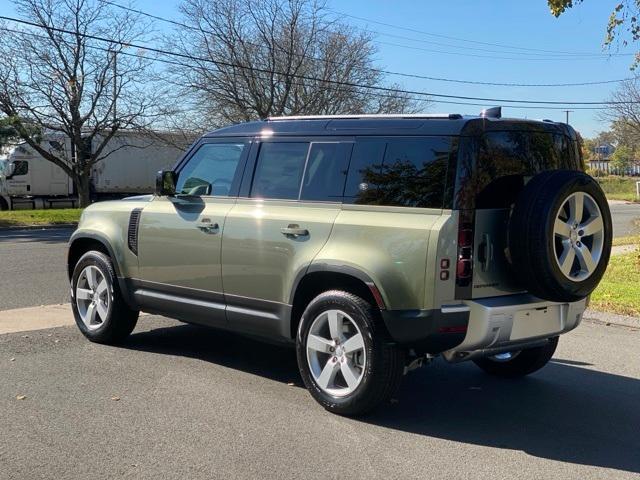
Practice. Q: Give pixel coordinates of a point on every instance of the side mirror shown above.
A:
(11, 169)
(166, 183)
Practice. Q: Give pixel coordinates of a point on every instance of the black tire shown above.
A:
(523, 363)
(531, 237)
(120, 319)
(383, 369)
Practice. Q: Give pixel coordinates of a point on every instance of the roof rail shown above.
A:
(449, 116)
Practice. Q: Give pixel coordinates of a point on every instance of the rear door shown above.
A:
(293, 194)
(500, 163)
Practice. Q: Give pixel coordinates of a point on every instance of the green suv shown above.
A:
(372, 243)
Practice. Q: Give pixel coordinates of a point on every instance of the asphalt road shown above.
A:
(623, 216)
(33, 267)
(33, 262)
(196, 403)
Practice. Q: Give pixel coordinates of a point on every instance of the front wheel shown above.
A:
(518, 363)
(345, 356)
(100, 312)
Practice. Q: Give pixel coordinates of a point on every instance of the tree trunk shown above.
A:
(83, 183)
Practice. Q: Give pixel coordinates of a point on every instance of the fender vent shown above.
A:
(132, 234)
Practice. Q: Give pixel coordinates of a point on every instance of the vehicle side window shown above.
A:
(506, 159)
(279, 170)
(407, 172)
(21, 167)
(325, 173)
(211, 170)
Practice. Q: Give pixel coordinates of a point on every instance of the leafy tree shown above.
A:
(588, 147)
(9, 134)
(622, 159)
(623, 23)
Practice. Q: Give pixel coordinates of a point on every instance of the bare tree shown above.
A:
(624, 111)
(251, 60)
(57, 79)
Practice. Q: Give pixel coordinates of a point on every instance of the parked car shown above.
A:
(372, 243)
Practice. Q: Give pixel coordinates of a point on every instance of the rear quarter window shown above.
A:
(406, 172)
(493, 169)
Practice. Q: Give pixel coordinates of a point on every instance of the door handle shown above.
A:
(294, 230)
(207, 227)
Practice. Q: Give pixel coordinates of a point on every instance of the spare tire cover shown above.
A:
(560, 235)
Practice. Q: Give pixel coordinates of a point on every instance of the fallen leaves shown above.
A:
(115, 399)
(21, 397)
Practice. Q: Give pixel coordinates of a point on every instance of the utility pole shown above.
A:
(567, 112)
(115, 86)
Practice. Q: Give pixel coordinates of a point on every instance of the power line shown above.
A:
(492, 57)
(304, 77)
(479, 49)
(387, 72)
(183, 25)
(459, 39)
(381, 95)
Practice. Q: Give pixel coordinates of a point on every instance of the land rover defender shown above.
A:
(372, 243)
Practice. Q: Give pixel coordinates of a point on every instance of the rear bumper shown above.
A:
(484, 326)
(427, 331)
(514, 321)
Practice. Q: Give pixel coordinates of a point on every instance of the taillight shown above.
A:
(464, 264)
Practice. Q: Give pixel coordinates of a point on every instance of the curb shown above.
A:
(612, 319)
(44, 226)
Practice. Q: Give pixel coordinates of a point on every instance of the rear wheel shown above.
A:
(518, 363)
(345, 356)
(100, 312)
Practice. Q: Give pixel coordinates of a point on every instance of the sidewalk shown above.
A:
(610, 318)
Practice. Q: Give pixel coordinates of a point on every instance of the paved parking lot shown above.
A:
(179, 401)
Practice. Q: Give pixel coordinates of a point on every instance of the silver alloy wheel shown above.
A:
(336, 353)
(578, 236)
(92, 297)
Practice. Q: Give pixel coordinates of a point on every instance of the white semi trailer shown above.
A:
(27, 180)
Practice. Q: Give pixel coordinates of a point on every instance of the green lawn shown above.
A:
(619, 290)
(39, 217)
(619, 188)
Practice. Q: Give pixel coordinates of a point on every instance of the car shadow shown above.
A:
(566, 412)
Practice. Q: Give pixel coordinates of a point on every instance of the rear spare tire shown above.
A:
(560, 235)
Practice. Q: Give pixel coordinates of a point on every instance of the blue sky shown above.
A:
(526, 24)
